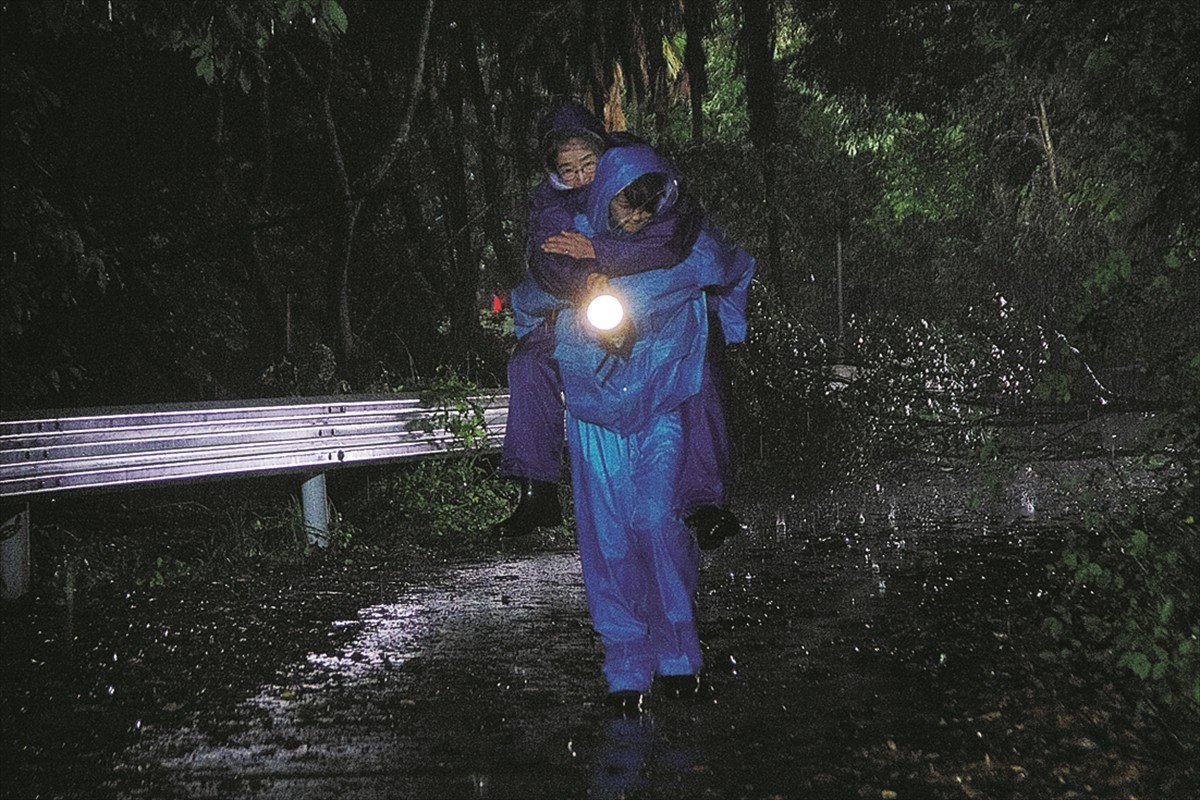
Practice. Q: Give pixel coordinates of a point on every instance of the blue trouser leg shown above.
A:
(640, 564)
(533, 442)
(704, 478)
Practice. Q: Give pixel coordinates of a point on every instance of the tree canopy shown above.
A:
(207, 199)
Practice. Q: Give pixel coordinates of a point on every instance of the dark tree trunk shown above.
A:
(410, 204)
(463, 282)
(648, 35)
(759, 35)
(600, 74)
(349, 197)
(346, 212)
(265, 155)
(489, 154)
(695, 61)
(267, 326)
(267, 289)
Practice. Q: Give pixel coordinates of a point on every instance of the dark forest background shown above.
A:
(211, 200)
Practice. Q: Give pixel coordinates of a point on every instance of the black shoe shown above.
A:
(678, 687)
(712, 525)
(626, 703)
(538, 508)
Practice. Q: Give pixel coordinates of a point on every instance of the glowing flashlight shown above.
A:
(605, 312)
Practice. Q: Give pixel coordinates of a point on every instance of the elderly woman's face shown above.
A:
(576, 165)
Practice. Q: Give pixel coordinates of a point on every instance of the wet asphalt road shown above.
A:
(839, 647)
(868, 645)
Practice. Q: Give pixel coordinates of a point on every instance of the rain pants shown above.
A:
(625, 431)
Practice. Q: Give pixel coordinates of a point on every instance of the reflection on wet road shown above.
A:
(833, 641)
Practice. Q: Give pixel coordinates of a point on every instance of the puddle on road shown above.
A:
(824, 635)
(336, 717)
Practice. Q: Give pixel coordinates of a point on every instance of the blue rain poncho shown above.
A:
(666, 306)
(625, 434)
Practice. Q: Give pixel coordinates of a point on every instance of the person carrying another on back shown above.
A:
(560, 260)
(626, 389)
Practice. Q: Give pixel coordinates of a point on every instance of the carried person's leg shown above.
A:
(533, 441)
(707, 465)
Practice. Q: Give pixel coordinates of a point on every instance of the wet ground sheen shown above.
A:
(872, 644)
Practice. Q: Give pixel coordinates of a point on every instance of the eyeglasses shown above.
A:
(629, 218)
(581, 171)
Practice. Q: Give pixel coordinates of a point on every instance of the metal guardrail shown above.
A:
(142, 445)
(93, 449)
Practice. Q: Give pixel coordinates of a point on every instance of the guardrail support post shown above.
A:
(14, 556)
(316, 510)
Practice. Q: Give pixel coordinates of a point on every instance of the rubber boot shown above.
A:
(712, 525)
(538, 508)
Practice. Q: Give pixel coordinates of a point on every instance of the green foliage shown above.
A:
(894, 385)
(1043, 151)
(309, 373)
(226, 41)
(922, 166)
(459, 411)
(450, 501)
(500, 326)
(114, 546)
(1128, 582)
(1090, 167)
(52, 262)
(1130, 594)
(447, 502)
(725, 108)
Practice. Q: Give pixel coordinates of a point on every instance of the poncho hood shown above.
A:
(570, 118)
(620, 166)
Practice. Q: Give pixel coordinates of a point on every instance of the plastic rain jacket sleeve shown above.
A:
(531, 304)
(553, 211)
